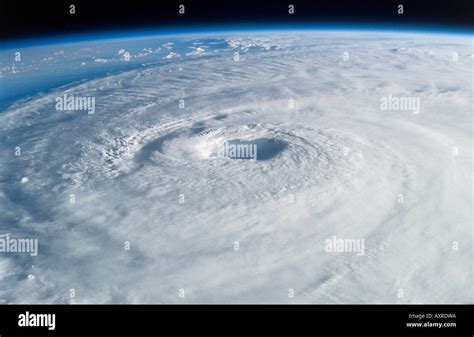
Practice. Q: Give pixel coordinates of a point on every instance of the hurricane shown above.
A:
(322, 166)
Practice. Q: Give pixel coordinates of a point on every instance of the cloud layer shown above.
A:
(143, 173)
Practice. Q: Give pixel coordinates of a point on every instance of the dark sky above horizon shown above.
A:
(29, 18)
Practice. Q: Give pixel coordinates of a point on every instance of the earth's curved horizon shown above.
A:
(302, 166)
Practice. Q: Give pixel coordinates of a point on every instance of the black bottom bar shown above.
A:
(237, 320)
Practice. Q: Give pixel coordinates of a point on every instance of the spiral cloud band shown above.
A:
(284, 167)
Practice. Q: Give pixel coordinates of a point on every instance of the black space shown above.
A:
(23, 19)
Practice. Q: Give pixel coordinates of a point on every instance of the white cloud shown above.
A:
(343, 159)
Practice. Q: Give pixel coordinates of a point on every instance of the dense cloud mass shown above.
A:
(358, 136)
